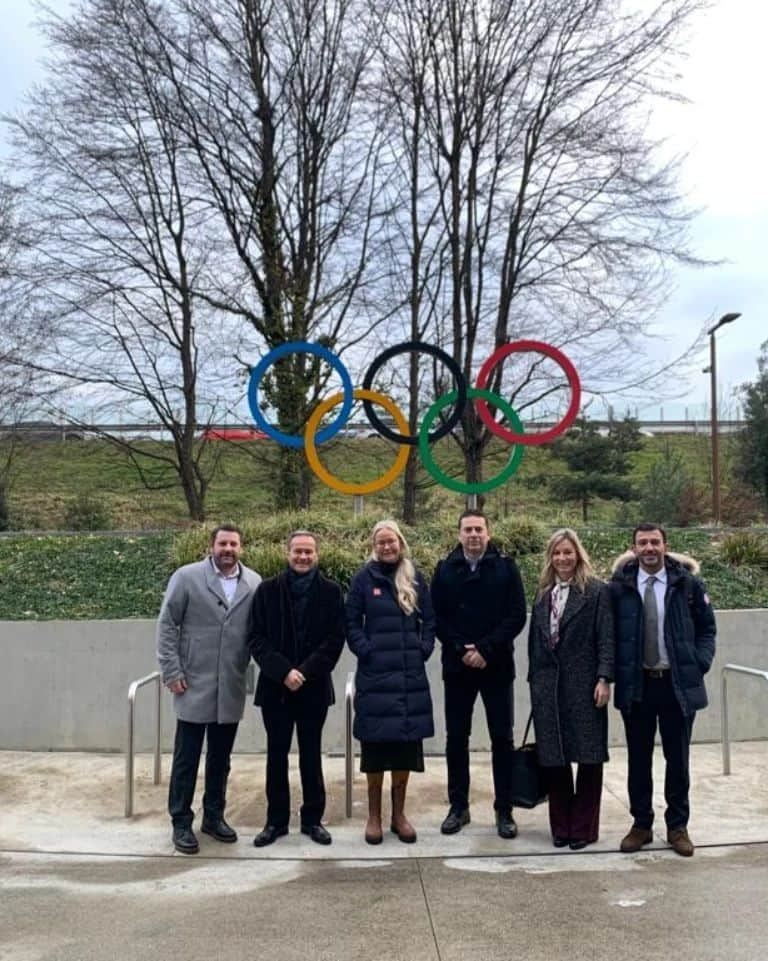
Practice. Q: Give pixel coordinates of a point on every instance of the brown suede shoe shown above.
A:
(680, 842)
(636, 838)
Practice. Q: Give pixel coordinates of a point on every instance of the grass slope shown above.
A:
(50, 476)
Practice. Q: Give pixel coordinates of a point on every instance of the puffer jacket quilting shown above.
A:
(392, 698)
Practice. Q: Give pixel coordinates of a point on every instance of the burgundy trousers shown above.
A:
(574, 809)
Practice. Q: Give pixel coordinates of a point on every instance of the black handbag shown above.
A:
(526, 776)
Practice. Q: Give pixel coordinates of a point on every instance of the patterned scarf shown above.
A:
(557, 601)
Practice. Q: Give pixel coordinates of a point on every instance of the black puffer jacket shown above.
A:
(689, 632)
(392, 699)
(568, 725)
(484, 607)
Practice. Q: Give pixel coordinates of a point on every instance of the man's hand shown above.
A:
(473, 658)
(293, 679)
(178, 686)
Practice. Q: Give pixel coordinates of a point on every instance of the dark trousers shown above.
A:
(279, 721)
(574, 810)
(186, 760)
(658, 706)
(461, 692)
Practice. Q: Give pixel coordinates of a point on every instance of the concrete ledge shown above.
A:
(64, 687)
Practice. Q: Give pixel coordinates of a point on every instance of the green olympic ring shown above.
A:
(478, 487)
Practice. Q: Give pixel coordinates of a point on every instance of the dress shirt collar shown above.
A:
(642, 577)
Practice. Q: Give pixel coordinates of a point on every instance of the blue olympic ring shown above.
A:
(299, 347)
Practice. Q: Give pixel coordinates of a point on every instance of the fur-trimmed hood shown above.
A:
(685, 560)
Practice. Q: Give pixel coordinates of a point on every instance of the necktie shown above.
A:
(651, 618)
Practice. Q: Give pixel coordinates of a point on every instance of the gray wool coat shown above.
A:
(568, 725)
(204, 640)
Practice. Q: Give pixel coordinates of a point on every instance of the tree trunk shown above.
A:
(305, 484)
(288, 480)
(194, 488)
(409, 487)
(4, 520)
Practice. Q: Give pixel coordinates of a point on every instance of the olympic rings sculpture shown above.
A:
(458, 397)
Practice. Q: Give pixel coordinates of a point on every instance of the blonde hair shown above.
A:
(583, 571)
(405, 573)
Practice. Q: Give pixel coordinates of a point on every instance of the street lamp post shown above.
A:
(725, 319)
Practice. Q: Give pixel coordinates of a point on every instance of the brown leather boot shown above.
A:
(636, 839)
(374, 833)
(681, 843)
(400, 825)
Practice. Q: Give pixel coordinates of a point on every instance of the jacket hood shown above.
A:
(684, 560)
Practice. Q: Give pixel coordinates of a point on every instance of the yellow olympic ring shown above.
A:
(344, 487)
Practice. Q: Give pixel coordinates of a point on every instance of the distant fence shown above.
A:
(78, 431)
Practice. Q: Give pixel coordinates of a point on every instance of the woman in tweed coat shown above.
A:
(570, 670)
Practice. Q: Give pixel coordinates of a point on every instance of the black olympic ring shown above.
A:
(413, 346)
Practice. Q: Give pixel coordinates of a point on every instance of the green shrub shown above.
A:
(106, 576)
(745, 549)
(669, 495)
(344, 544)
(519, 536)
(86, 512)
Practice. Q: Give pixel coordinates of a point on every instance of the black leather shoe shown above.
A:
(219, 830)
(578, 844)
(505, 825)
(268, 835)
(184, 840)
(455, 821)
(317, 832)
(560, 842)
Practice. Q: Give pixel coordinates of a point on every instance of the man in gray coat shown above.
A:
(202, 649)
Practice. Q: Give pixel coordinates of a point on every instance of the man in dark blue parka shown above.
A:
(480, 608)
(665, 643)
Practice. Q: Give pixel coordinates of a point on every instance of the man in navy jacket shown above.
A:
(480, 608)
(665, 643)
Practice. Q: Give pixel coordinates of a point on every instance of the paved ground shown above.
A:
(79, 882)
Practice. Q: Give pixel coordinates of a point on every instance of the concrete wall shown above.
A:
(64, 684)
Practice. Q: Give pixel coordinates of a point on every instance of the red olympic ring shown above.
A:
(516, 347)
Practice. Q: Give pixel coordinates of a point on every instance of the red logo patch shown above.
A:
(377, 592)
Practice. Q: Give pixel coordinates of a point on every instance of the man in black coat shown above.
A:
(480, 608)
(296, 639)
(665, 643)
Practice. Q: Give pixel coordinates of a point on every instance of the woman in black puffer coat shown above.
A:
(391, 630)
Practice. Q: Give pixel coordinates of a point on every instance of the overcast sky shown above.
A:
(723, 132)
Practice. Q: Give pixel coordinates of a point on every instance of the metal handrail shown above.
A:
(129, 748)
(349, 755)
(736, 669)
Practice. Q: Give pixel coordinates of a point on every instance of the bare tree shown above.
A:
(16, 387)
(268, 98)
(524, 126)
(121, 243)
